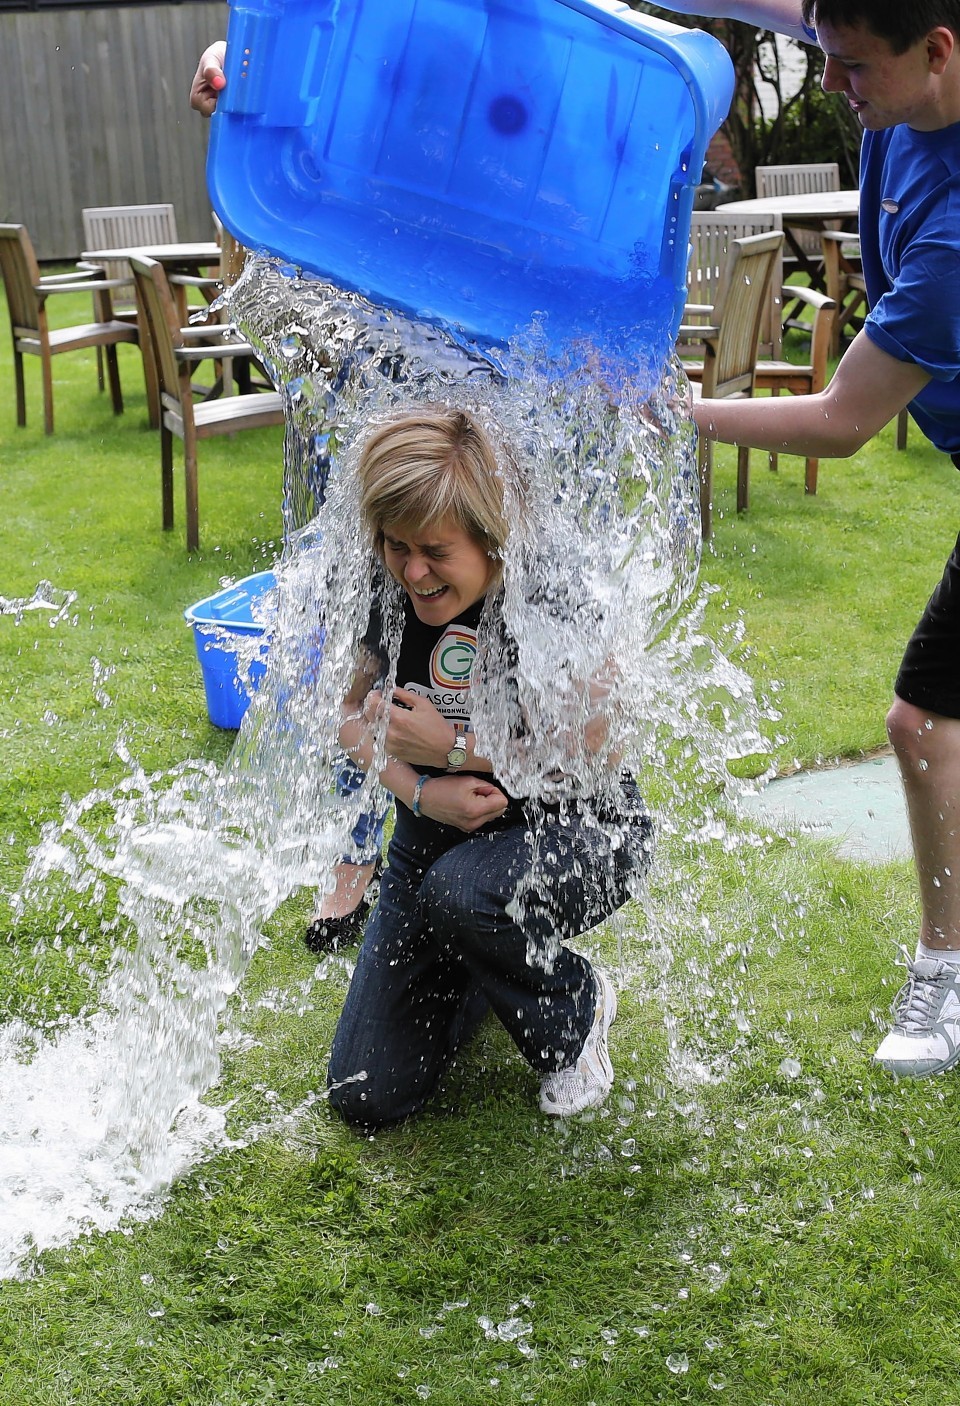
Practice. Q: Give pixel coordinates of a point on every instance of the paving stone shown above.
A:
(860, 805)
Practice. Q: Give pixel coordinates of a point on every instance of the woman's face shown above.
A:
(442, 568)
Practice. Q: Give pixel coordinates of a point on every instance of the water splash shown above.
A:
(47, 596)
(102, 1110)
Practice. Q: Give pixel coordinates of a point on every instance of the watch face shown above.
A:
(458, 752)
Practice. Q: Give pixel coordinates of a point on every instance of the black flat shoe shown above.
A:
(330, 934)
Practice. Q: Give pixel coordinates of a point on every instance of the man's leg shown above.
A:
(928, 752)
(924, 727)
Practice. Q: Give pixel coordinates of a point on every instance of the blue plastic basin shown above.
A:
(481, 164)
(214, 619)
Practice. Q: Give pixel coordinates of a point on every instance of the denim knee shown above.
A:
(452, 898)
(364, 1108)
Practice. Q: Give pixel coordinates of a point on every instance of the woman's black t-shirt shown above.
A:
(436, 661)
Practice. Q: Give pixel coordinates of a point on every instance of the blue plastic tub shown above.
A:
(229, 612)
(481, 164)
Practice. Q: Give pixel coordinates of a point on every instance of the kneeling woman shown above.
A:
(481, 888)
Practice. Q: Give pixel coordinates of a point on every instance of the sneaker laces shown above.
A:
(918, 999)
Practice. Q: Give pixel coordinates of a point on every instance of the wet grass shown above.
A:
(757, 1216)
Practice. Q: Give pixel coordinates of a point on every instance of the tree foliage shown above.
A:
(796, 121)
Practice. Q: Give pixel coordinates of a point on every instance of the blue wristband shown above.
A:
(417, 792)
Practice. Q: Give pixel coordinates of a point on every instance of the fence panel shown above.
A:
(94, 111)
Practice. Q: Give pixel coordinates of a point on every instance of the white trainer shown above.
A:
(925, 1038)
(586, 1083)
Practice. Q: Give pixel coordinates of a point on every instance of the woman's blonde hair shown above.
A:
(433, 467)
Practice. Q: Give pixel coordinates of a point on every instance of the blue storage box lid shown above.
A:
(481, 164)
(233, 608)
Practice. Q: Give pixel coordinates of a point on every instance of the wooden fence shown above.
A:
(94, 111)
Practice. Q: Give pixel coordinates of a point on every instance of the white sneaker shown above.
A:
(925, 1038)
(586, 1083)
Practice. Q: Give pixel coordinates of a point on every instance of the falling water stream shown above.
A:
(100, 1112)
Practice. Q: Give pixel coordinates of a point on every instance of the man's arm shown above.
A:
(783, 16)
(868, 389)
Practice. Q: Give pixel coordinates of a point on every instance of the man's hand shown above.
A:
(209, 81)
(465, 802)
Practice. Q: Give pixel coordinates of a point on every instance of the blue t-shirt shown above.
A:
(910, 245)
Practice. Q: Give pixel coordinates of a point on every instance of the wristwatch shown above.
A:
(458, 752)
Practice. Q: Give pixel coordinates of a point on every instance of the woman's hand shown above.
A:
(416, 731)
(465, 802)
(209, 81)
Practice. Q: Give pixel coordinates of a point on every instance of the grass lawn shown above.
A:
(757, 1216)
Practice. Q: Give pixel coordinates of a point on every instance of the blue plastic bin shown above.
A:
(480, 164)
(214, 620)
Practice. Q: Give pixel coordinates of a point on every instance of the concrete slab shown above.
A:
(860, 805)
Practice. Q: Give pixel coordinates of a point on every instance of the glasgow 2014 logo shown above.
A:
(452, 658)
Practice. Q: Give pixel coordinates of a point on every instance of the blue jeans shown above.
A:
(456, 932)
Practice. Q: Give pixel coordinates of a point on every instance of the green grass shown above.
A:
(832, 585)
(757, 1217)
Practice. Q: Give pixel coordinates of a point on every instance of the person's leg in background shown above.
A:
(344, 906)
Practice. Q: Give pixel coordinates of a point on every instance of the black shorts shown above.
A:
(929, 674)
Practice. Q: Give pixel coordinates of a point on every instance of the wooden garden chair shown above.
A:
(248, 373)
(730, 343)
(800, 178)
(806, 379)
(27, 294)
(710, 234)
(845, 283)
(177, 351)
(126, 227)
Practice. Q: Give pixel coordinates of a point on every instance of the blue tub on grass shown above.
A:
(219, 623)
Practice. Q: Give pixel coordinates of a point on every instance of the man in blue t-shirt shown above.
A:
(898, 66)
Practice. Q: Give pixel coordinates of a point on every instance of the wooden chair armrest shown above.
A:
(839, 236)
(825, 313)
(86, 269)
(77, 285)
(80, 272)
(191, 280)
(811, 296)
(222, 352)
(199, 331)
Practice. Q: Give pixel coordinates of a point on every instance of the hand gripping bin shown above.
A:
(220, 623)
(480, 164)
